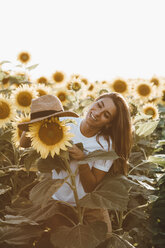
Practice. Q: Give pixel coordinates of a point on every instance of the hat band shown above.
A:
(36, 115)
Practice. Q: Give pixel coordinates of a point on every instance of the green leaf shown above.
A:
(19, 236)
(53, 188)
(118, 242)
(17, 220)
(158, 159)
(4, 62)
(4, 189)
(99, 155)
(44, 190)
(32, 67)
(80, 236)
(30, 158)
(141, 178)
(145, 129)
(112, 194)
(48, 164)
(161, 142)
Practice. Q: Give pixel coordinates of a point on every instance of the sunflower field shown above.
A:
(136, 203)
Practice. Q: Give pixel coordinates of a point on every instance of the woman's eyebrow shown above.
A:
(102, 103)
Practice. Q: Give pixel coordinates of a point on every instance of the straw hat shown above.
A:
(44, 107)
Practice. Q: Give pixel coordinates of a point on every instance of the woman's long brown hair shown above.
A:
(120, 132)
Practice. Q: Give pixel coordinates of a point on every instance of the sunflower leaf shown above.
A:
(32, 67)
(43, 191)
(112, 194)
(145, 129)
(158, 159)
(99, 155)
(80, 236)
(4, 62)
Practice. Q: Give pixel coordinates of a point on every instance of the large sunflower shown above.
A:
(24, 57)
(49, 136)
(7, 111)
(151, 109)
(23, 96)
(16, 132)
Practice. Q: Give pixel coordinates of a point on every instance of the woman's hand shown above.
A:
(76, 153)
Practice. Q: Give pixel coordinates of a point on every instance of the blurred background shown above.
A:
(99, 39)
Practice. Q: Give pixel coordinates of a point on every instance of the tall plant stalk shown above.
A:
(73, 187)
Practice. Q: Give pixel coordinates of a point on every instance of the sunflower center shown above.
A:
(155, 81)
(163, 97)
(41, 92)
(150, 111)
(91, 87)
(62, 96)
(4, 110)
(120, 86)
(76, 86)
(24, 57)
(42, 80)
(50, 134)
(58, 77)
(24, 99)
(5, 80)
(84, 80)
(144, 90)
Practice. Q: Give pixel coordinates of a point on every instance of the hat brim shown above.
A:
(24, 126)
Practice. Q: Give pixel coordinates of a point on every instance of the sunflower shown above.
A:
(119, 85)
(63, 94)
(155, 81)
(49, 136)
(42, 80)
(4, 79)
(151, 109)
(42, 90)
(144, 90)
(85, 81)
(59, 77)
(16, 132)
(162, 98)
(5, 83)
(76, 84)
(75, 76)
(23, 96)
(91, 88)
(7, 112)
(24, 57)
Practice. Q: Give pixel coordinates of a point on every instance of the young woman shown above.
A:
(106, 126)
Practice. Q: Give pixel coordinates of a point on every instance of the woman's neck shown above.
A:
(87, 130)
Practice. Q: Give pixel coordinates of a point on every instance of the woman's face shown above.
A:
(101, 113)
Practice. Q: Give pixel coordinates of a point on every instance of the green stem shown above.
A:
(72, 177)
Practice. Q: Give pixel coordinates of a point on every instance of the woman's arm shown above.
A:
(89, 178)
(25, 141)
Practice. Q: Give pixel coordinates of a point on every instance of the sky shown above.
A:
(99, 39)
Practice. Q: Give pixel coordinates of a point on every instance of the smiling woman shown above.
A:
(106, 127)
